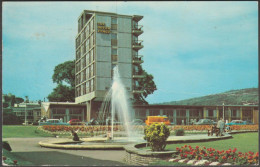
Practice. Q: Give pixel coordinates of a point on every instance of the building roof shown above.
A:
(46, 105)
(189, 106)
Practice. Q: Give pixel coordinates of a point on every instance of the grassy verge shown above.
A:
(10, 157)
(244, 142)
(9, 131)
(166, 163)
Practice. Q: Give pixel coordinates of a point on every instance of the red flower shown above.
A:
(204, 147)
(197, 147)
(15, 161)
(177, 148)
(239, 152)
(199, 158)
(216, 157)
(205, 155)
(234, 159)
(185, 156)
(211, 154)
(185, 145)
(181, 155)
(224, 157)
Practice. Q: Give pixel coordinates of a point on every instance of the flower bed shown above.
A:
(213, 155)
(207, 127)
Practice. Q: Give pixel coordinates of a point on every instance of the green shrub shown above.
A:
(156, 135)
(179, 132)
(6, 146)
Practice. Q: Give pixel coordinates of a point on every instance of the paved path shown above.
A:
(27, 149)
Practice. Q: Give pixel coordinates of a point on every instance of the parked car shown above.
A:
(53, 122)
(93, 121)
(75, 122)
(236, 122)
(205, 122)
(137, 122)
(248, 122)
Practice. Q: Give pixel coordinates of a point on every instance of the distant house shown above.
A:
(32, 111)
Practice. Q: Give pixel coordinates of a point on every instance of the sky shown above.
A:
(191, 48)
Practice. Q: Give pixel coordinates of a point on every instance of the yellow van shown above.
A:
(157, 119)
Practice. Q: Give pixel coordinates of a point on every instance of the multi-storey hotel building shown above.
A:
(105, 40)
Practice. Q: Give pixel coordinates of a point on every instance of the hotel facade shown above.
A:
(106, 40)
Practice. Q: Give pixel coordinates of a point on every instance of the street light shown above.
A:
(223, 112)
(25, 120)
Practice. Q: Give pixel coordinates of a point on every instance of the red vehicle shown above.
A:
(75, 122)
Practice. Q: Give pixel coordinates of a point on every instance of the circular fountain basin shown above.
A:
(90, 143)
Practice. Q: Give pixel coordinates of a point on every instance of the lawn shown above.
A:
(244, 142)
(9, 131)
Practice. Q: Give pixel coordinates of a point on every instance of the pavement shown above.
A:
(28, 151)
(32, 154)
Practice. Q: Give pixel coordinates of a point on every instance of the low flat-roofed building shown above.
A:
(189, 113)
(63, 110)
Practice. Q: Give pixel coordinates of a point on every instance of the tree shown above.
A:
(10, 118)
(64, 72)
(147, 85)
(62, 93)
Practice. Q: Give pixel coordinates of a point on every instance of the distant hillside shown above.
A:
(232, 97)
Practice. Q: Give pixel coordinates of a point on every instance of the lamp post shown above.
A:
(223, 112)
(25, 114)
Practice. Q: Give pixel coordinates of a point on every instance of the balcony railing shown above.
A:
(137, 44)
(137, 30)
(138, 89)
(138, 59)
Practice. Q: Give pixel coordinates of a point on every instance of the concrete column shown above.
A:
(67, 115)
(147, 112)
(187, 116)
(88, 110)
(205, 113)
(161, 112)
(217, 113)
(82, 115)
(241, 113)
(229, 111)
(174, 116)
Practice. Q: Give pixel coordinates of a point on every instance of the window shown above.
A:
(92, 22)
(114, 58)
(87, 30)
(87, 59)
(92, 70)
(113, 23)
(114, 51)
(87, 73)
(92, 55)
(92, 85)
(114, 55)
(210, 113)
(114, 20)
(87, 45)
(113, 36)
(87, 87)
(91, 41)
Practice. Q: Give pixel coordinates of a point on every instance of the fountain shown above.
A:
(116, 104)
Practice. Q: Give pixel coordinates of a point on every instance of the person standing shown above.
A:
(221, 126)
